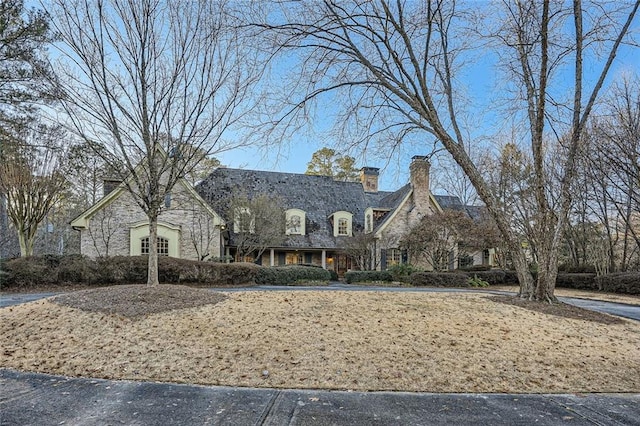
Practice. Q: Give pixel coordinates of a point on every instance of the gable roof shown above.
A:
(318, 196)
(477, 213)
(82, 220)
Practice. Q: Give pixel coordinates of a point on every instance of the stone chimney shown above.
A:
(369, 178)
(419, 171)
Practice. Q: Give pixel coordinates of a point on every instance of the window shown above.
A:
(369, 223)
(295, 222)
(294, 225)
(168, 239)
(341, 222)
(244, 221)
(343, 226)
(163, 246)
(394, 257)
(294, 259)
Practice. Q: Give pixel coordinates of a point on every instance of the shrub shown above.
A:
(621, 282)
(290, 274)
(492, 277)
(239, 273)
(74, 268)
(58, 270)
(121, 270)
(511, 277)
(367, 276)
(477, 282)
(577, 281)
(334, 275)
(475, 268)
(31, 271)
(401, 272)
(577, 269)
(439, 279)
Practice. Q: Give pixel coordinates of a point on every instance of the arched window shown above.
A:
(342, 224)
(168, 239)
(369, 223)
(163, 246)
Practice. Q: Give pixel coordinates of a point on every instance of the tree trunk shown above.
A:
(152, 277)
(26, 238)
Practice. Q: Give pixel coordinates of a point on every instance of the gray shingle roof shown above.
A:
(477, 213)
(317, 196)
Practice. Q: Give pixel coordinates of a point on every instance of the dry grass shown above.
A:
(336, 340)
(583, 294)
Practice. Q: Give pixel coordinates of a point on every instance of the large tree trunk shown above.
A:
(152, 275)
(26, 239)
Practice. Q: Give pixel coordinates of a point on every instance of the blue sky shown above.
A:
(295, 153)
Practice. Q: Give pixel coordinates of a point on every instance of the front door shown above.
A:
(343, 264)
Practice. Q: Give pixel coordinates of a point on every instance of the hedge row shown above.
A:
(621, 282)
(367, 276)
(291, 275)
(440, 279)
(75, 269)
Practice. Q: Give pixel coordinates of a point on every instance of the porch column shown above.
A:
(324, 259)
(272, 257)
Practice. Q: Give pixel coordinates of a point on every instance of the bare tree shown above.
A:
(612, 170)
(106, 225)
(157, 83)
(202, 229)
(445, 239)
(258, 223)
(361, 248)
(399, 64)
(31, 179)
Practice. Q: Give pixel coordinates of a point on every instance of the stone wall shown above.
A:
(110, 226)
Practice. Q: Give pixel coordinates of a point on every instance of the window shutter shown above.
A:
(383, 259)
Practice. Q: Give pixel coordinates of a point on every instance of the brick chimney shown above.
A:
(419, 172)
(369, 178)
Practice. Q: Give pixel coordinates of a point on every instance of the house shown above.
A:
(323, 218)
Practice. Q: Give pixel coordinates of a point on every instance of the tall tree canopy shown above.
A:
(397, 69)
(327, 162)
(158, 83)
(25, 77)
(31, 178)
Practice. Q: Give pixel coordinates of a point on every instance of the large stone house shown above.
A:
(327, 214)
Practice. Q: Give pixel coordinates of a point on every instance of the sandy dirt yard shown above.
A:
(430, 342)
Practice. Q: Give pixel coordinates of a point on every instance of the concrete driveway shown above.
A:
(41, 399)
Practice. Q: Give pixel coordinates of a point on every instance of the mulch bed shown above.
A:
(559, 309)
(139, 300)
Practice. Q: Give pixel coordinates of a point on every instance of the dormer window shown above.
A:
(295, 222)
(244, 221)
(342, 224)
